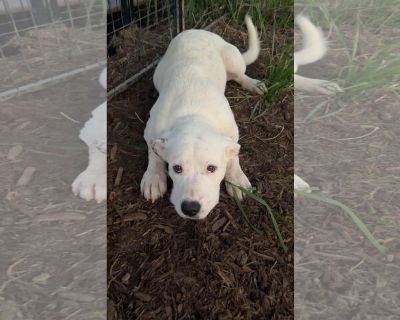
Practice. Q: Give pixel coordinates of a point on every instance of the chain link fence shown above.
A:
(138, 32)
(43, 42)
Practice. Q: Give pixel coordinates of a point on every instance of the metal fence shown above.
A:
(138, 32)
(45, 41)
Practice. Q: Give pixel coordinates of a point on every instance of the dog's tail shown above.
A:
(254, 43)
(314, 47)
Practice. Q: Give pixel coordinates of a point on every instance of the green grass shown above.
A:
(380, 73)
(263, 13)
(137, 147)
(268, 211)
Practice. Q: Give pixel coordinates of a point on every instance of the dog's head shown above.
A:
(196, 165)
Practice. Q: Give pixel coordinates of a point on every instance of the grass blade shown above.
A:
(361, 226)
(315, 110)
(137, 147)
(244, 214)
(253, 196)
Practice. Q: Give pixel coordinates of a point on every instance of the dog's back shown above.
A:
(191, 55)
(203, 55)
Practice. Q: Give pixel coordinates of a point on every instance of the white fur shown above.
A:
(300, 184)
(314, 49)
(191, 124)
(92, 183)
(253, 51)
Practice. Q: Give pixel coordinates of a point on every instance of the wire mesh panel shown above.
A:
(138, 32)
(200, 14)
(43, 41)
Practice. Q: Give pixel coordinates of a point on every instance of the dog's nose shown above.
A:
(190, 208)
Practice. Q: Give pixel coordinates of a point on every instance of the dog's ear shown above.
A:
(159, 147)
(232, 150)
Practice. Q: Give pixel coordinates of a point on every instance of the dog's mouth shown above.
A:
(201, 215)
(198, 216)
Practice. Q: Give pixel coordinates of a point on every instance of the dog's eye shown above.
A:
(177, 168)
(211, 168)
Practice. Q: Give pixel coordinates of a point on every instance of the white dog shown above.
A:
(191, 125)
(92, 183)
(314, 49)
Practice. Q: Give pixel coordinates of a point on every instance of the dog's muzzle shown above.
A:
(190, 208)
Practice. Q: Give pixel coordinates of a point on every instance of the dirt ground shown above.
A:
(161, 266)
(53, 245)
(351, 157)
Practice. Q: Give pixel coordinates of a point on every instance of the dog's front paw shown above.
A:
(153, 185)
(237, 179)
(91, 184)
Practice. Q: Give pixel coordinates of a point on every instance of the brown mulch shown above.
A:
(161, 266)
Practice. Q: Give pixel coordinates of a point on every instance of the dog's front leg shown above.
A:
(92, 183)
(154, 181)
(235, 176)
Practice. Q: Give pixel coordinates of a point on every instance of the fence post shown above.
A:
(179, 16)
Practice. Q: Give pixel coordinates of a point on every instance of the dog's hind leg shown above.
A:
(154, 181)
(236, 68)
(251, 84)
(316, 85)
